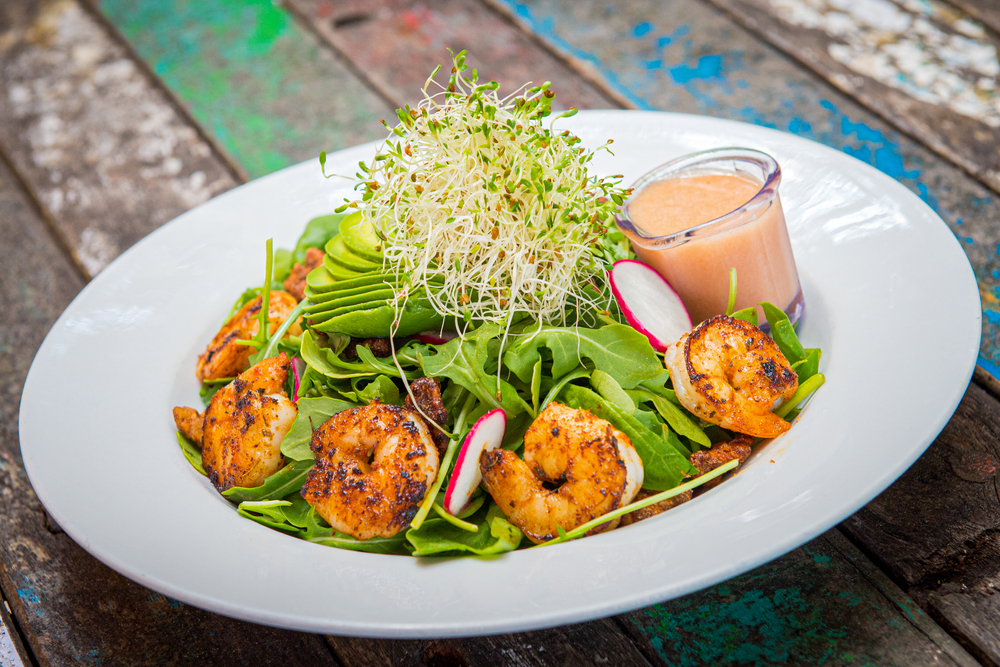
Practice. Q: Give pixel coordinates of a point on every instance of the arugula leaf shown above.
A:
(191, 453)
(382, 389)
(324, 361)
(287, 480)
(313, 412)
(664, 466)
(495, 535)
(678, 419)
(464, 362)
(617, 349)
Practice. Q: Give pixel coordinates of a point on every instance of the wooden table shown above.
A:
(116, 117)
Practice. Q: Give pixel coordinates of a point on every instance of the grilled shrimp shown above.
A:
(245, 424)
(223, 357)
(730, 373)
(191, 423)
(596, 467)
(378, 498)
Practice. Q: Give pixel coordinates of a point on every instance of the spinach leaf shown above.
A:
(267, 513)
(191, 453)
(783, 333)
(287, 480)
(747, 315)
(496, 535)
(313, 412)
(464, 361)
(325, 361)
(282, 265)
(317, 234)
(607, 387)
(678, 419)
(617, 349)
(664, 466)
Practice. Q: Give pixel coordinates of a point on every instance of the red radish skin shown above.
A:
(649, 303)
(486, 434)
(434, 338)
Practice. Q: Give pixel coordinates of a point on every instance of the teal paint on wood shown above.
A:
(809, 607)
(256, 81)
(682, 55)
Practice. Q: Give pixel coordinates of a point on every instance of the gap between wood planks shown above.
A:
(235, 169)
(12, 639)
(756, 28)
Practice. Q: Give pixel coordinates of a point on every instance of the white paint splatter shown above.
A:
(921, 47)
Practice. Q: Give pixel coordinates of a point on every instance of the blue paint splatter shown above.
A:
(707, 67)
(28, 595)
(642, 29)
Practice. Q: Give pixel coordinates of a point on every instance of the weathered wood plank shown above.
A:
(815, 605)
(596, 643)
(252, 77)
(683, 55)
(937, 529)
(397, 43)
(100, 148)
(927, 69)
(12, 653)
(71, 608)
(984, 11)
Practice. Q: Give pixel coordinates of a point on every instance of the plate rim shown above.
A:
(551, 618)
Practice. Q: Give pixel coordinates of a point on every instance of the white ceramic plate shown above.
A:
(890, 298)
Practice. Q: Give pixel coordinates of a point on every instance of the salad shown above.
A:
(466, 359)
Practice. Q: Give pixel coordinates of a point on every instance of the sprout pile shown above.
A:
(487, 211)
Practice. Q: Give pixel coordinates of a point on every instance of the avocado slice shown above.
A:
(340, 253)
(339, 271)
(319, 280)
(364, 280)
(416, 316)
(361, 238)
(377, 296)
(323, 297)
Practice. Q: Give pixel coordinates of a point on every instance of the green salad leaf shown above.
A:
(317, 234)
(191, 453)
(494, 535)
(287, 480)
(617, 349)
(313, 412)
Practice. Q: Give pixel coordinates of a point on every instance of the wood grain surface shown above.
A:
(927, 69)
(101, 149)
(823, 603)
(71, 608)
(937, 529)
(596, 643)
(688, 56)
(252, 77)
(396, 44)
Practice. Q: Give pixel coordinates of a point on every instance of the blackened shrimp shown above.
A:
(373, 499)
(224, 357)
(596, 468)
(245, 424)
(730, 373)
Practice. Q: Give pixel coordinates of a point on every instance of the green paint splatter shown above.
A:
(266, 89)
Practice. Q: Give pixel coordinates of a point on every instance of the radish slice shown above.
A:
(486, 435)
(298, 368)
(649, 303)
(434, 338)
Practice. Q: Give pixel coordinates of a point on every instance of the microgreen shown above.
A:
(487, 210)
